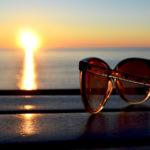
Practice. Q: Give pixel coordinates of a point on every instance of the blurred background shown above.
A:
(42, 41)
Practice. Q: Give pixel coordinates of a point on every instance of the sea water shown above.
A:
(58, 68)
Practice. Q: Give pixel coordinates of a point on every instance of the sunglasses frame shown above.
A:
(113, 79)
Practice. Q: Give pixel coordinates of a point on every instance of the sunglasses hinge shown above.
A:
(83, 66)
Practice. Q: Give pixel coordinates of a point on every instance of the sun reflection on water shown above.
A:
(29, 43)
(28, 81)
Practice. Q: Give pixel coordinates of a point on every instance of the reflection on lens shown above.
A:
(138, 71)
(96, 85)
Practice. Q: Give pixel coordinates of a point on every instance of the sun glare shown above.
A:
(29, 42)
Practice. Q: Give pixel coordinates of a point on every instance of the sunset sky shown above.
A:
(77, 23)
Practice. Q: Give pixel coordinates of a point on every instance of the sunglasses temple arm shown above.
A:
(123, 79)
(132, 81)
(120, 78)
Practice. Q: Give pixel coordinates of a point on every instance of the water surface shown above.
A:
(58, 68)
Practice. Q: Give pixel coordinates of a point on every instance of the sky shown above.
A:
(77, 23)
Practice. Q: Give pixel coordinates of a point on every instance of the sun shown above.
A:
(29, 40)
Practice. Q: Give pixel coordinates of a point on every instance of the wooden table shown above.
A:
(60, 121)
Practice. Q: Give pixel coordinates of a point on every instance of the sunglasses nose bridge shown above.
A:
(113, 75)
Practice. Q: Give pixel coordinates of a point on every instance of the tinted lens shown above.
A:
(138, 71)
(96, 84)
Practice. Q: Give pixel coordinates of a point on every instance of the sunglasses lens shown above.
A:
(138, 71)
(96, 84)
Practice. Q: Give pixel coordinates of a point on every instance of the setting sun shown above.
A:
(29, 40)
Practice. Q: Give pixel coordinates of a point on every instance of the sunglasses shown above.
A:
(130, 78)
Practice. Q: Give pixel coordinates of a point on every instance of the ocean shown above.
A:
(58, 68)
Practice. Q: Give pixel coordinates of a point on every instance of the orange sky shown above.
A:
(67, 24)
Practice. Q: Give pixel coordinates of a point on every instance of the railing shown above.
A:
(43, 92)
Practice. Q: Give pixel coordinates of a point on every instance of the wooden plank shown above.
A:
(60, 103)
(77, 129)
(61, 121)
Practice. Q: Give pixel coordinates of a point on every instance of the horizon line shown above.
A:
(92, 47)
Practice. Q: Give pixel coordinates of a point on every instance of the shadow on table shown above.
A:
(130, 127)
